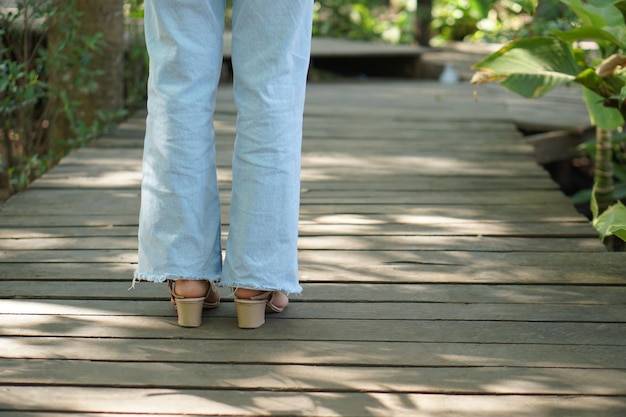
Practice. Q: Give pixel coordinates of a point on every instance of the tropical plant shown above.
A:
(534, 66)
(44, 58)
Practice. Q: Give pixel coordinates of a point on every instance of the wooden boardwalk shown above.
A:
(444, 275)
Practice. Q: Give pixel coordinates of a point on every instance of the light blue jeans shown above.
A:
(179, 225)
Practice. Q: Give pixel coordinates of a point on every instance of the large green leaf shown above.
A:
(532, 67)
(531, 55)
(605, 117)
(621, 5)
(614, 35)
(596, 13)
(612, 222)
(536, 84)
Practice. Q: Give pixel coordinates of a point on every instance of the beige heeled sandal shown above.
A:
(189, 309)
(251, 311)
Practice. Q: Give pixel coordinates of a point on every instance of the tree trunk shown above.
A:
(422, 22)
(104, 18)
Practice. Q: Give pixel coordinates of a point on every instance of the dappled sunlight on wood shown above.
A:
(104, 180)
(444, 274)
(334, 165)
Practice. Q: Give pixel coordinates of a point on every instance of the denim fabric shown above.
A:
(179, 225)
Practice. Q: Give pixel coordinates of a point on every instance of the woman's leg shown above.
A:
(270, 55)
(179, 227)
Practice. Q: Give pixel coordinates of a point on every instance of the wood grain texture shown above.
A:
(444, 274)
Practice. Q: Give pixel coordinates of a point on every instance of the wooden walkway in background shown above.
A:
(444, 275)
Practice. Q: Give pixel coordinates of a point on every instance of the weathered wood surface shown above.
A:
(444, 274)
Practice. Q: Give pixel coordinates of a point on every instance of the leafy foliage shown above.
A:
(135, 56)
(612, 222)
(497, 21)
(371, 20)
(532, 67)
(31, 101)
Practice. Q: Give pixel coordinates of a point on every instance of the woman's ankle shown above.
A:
(247, 293)
(191, 288)
(279, 298)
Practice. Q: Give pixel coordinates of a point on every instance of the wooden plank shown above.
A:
(514, 213)
(62, 256)
(109, 249)
(15, 234)
(338, 292)
(118, 201)
(319, 167)
(49, 238)
(259, 402)
(425, 331)
(449, 229)
(397, 270)
(17, 220)
(380, 266)
(373, 353)
(82, 179)
(462, 243)
(49, 202)
(66, 270)
(448, 197)
(324, 214)
(124, 201)
(319, 309)
(317, 378)
(341, 214)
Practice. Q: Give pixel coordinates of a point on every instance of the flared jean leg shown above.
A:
(270, 56)
(179, 226)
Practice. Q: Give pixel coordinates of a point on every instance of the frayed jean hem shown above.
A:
(160, 278)
(288, 291)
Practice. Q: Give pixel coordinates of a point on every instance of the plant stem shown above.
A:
(603, 177)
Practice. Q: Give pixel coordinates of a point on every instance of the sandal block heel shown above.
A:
(250, 313)
(189, 311)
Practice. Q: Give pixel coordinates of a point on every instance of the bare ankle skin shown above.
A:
(191, 288)
(246, 293)
(280, 299)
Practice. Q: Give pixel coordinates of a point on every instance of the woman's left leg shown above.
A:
(270, 56)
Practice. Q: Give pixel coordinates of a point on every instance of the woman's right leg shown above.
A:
(179, 230)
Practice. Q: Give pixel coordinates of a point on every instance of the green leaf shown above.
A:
(612, 222)
(619, 191)
(596, 13)
(588, 78)
(591, 33)
(481, 7)
(621, 6)
(532, 55)
(608, 87)
(593, 205)
(532, 67)
(529, 6)
(535, 85)
(601, 116)
(581, 197)
(619, 172)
